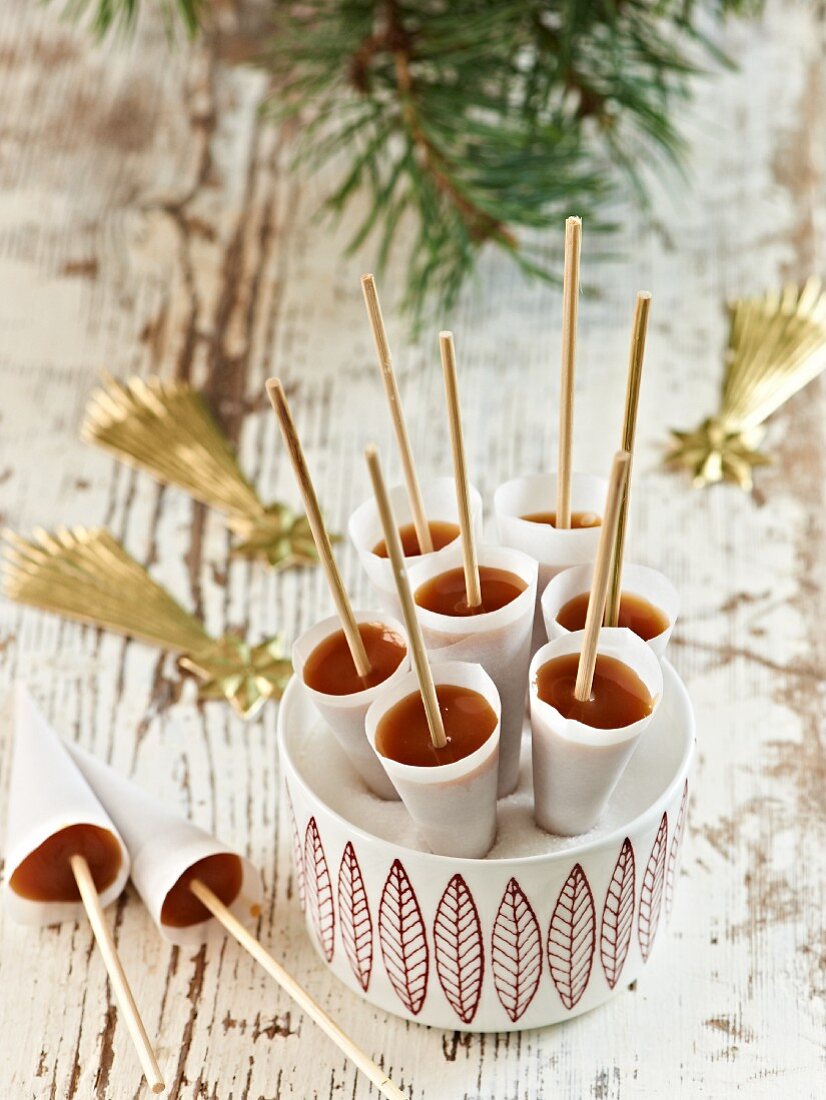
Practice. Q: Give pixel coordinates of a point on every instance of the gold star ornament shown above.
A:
(247, 676)
(777, 344)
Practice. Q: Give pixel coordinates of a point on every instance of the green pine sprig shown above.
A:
(462, 125)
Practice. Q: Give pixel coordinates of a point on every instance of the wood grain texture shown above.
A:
(149, 223)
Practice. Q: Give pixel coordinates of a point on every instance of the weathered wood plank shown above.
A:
(148, 222)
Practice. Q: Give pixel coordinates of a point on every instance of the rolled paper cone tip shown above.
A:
(48, 793)
(164, 845)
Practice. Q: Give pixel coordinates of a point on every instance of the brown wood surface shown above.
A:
(149, 223)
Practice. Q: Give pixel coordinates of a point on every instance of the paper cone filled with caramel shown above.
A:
(53, 814)
(168, 852)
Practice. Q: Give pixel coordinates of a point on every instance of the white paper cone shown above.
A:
(163, 845)
(47, 794)
(554, 549)
(453, 805)
(366, 532)
(637, 580)
(576, 767)
(500, 641)
(345, 714)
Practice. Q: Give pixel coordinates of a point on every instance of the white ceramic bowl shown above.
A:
(543, 929)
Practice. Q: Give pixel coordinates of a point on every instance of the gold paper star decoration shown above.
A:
(777, 344)
(167, 430)
(278, 536)
(85, 574)
(245, 675)
(713, 453)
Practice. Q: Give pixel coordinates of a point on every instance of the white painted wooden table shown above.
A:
(148, 223)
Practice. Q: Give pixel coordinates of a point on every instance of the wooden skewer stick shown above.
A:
(414, 631)
(599, 581)
(114, 968)
(391, 388)
(322, 540)
(570, 307)
(291, 987)
(629, 432)
(473, 588)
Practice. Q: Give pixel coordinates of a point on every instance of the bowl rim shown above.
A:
(634, 826)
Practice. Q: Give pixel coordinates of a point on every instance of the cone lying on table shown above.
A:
(48, 794)
(164, 847)
(64, 855)
(168, 850)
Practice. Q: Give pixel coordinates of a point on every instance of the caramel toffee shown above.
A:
(446, 594)
(578, 519)
(330, 668)
(635, 613)
(222, 873)
(441, 534)
(618, 696)
(46, 873)
(403, 733)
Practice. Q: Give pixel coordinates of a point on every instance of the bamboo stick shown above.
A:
(629, 432)
(414, 631)
(391, 389)
(570, 307)
(322, 540)
(599, 581)
(473, 587)
(291, 987)
(114, 968)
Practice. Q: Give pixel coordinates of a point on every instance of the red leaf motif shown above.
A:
(403, 939)
(459, 952)
(572, 937)
(618, 915)
(651, 895)
(516, 951)
(674, 852)
(298, 856)
(319, 890)
(354, 920)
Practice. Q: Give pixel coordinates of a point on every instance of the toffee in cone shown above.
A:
(442, 534)
(519, 501)
(53, 814)
(497, 635)
(323, 662)
(450, 793)
(649, 605)
(443, 517)
(168, 851)
(580, 749)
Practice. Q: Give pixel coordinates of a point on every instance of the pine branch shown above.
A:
(461, 125)
(121, 15)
